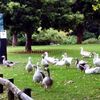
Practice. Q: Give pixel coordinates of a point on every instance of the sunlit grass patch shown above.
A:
(69, 83)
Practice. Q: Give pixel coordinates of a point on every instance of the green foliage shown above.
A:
(91, 41)
(27, 15)
(87, 35)
(21, 16)
(49, 36)
(79, 18)
(96, 6)
(9, 38)
(13, 5)
(21, 39)
(70, 40)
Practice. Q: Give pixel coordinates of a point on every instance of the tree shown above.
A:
(22, 16)
(12, 21)
(30, 19)
(27, 15)
(59, 15)
(56, 13)
(91, 12)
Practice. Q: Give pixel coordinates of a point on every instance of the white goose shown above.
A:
(7, 62)
(38, 75)
(85, 53)
(65, 60)
(94, 70)
(29, 66)
(44, 62)
(51, 60)
(47, 80)
(68, 60)
(96, 59)
(60, 63)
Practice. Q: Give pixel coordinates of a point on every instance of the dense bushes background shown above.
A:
(92, 41)
(52, 36)
(49, 36)
(88, 35)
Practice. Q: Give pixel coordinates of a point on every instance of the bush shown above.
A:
(21, 39)
(88, 35)
(70, 40)
(91, 41)
(99, 37)
(49, 36)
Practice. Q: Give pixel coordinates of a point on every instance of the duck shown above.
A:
(65, 60)
(81, 64)
(96, 59)
(7, 62)
(85, 53)
(68, 60)
(60, 63)
(94, 70)
(38, 74)
(29, 65)
(47, 80)
(44, 62)
(51, 60)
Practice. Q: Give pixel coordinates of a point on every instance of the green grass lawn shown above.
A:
(84, 87)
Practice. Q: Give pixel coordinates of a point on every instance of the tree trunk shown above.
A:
(80, 30)
(14, 39)
(28, 42)
(79, 38)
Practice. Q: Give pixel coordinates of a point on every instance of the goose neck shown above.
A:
(48, 71)
(81, 49)
(77, 61)
(29, 61)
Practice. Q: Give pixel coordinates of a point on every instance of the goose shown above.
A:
(60, 63)
(68, 60)
(38, 75)
(85, 53)
(29, 66)
(47, 80)
(64, 61)
(51, 60)
(7, 62)
(81, 64)
(44, 62)
(94, 70)
(96, 59)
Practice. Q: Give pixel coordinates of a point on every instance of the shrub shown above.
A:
(70, 40)
(99, 38)
(49, 36)
(88, 35)
(91, 41)
(21, 39)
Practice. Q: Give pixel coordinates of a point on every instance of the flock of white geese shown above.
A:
(42, 71)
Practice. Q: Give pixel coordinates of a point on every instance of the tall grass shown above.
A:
(84, 87)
